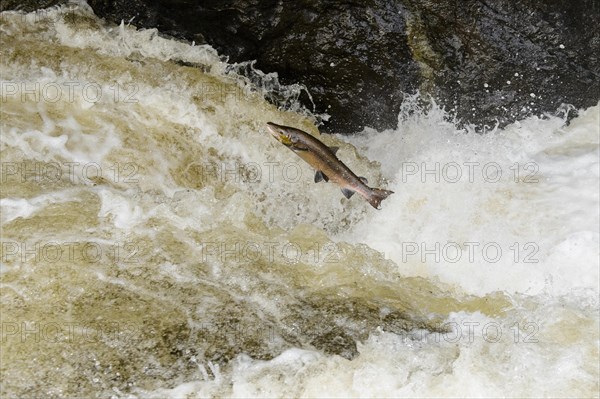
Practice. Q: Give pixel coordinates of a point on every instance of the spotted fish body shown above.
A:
(327, 164)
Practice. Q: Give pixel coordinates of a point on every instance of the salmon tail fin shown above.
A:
(378, 195)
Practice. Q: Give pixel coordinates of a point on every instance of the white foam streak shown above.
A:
(542, 213)
(13, 208)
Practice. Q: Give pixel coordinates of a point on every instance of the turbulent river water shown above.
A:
(158, 242)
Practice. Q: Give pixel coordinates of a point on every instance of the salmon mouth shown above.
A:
(278, 134)
(273, 130)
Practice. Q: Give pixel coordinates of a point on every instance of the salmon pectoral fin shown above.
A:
(378, 195)
(347, 193)
(319, 176)
(298, 147)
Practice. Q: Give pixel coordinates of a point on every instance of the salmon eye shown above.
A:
(293, 139)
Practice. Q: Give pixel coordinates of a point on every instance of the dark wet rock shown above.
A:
(336, 342)
(358, 58)
(234, 329)
(333, 324)
(328, 323)
(504, 60)
(486, 61)
(353, 57)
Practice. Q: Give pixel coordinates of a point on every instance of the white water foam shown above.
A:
(544, 344)
(532, 229)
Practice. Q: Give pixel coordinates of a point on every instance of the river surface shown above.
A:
(158, 242)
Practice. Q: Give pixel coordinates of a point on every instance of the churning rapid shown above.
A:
(157, 242)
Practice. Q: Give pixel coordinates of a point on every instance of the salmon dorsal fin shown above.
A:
(334, 149)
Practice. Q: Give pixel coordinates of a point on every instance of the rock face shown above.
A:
(487, 61)
(503, 60)
(354, 57)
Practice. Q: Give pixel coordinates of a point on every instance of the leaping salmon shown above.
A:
(327, 164)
